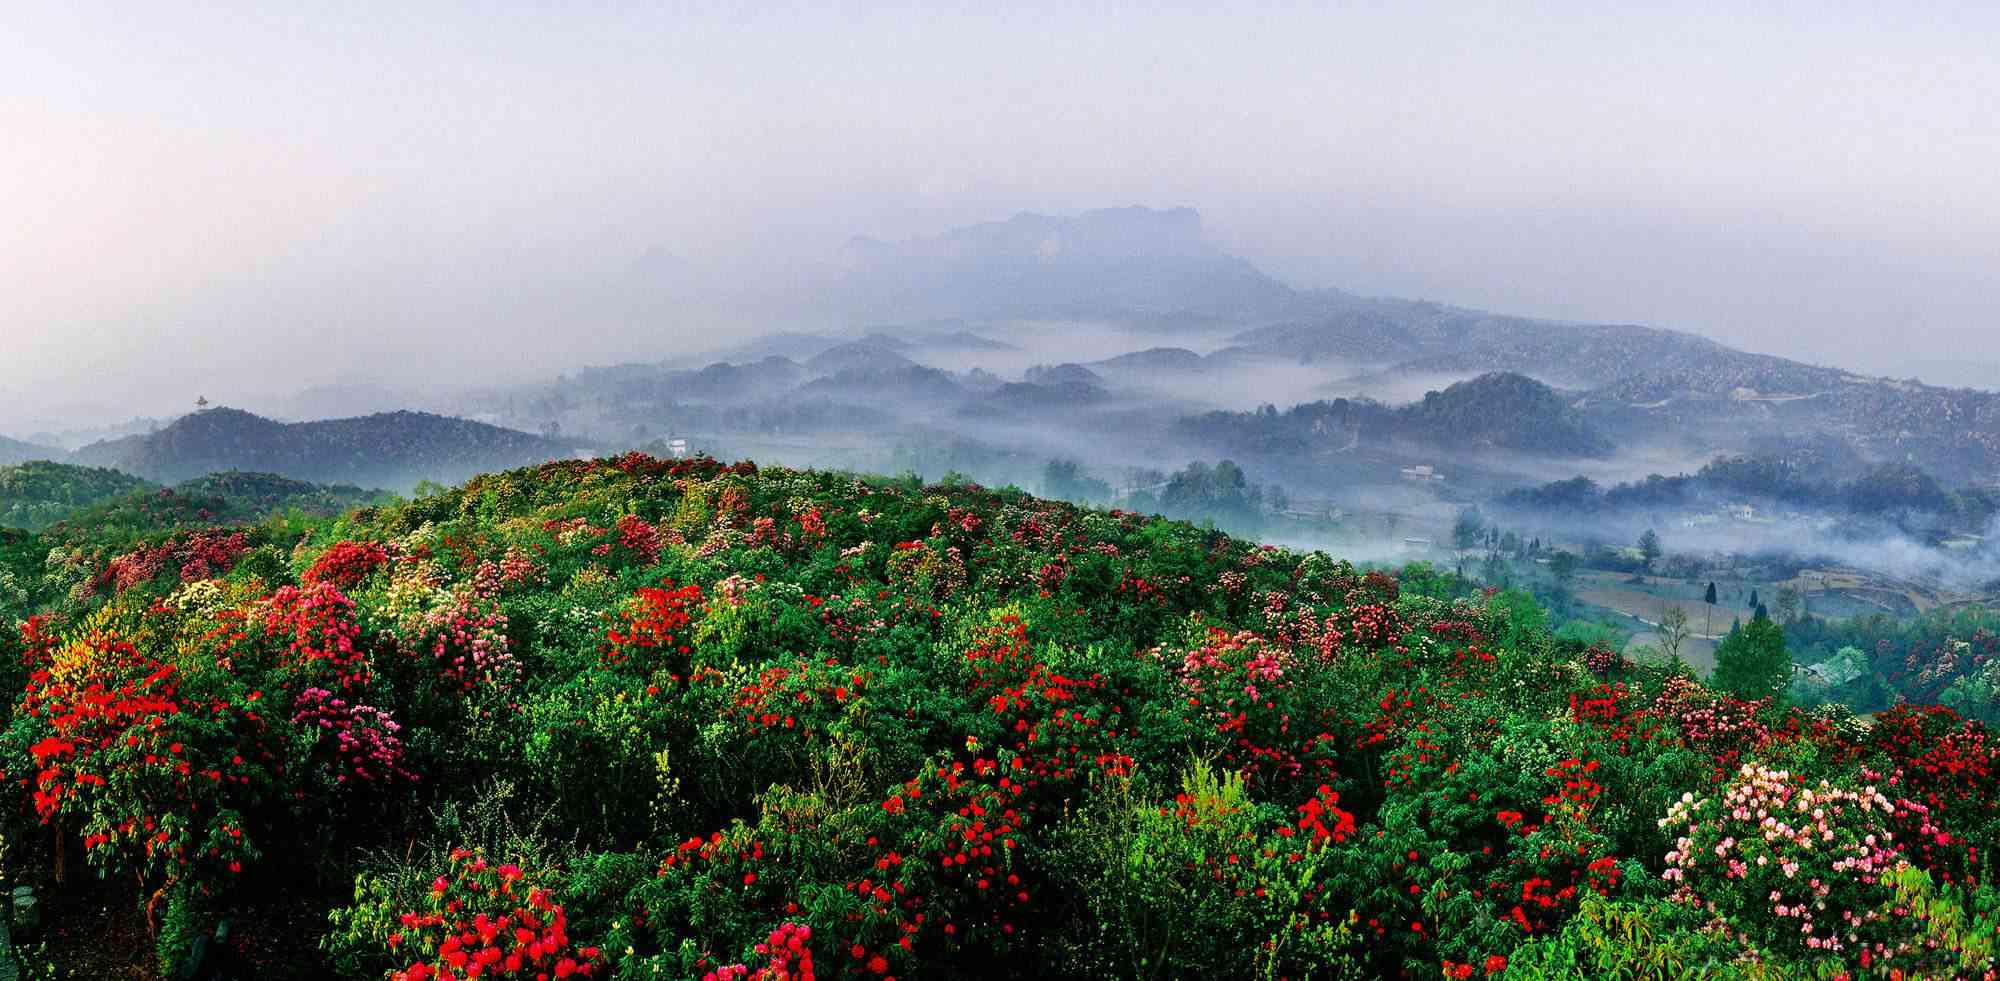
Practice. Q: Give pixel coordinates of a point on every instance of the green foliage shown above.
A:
(1752, 662)
(916, 730)
(1199, 885)
(1651, 940)
(38, 494)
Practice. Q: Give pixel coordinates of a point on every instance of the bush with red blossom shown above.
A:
(873, 729)
(478, 919)
(652, 630)
(321, 640)
(153, 764)
(346, 564)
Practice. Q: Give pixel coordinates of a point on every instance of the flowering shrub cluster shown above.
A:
(477, 920)
(1791, 864)
(189, 557)
(640, 718)
(361, 739)
(346, 564)
(467, 642)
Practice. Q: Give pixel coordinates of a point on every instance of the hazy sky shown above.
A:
(231, 198)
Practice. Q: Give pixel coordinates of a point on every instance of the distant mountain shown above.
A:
(1502, 410)
(1115, 262)
(859, 356)
(1498, 412)
(342, 401)
(1646, 385)
(66, 439)
(958, 341)
(1153, 364)
(16, 451)
(1061, 398)
(1419, 338)
(1152, 278)
(888, 383)
(791, 345)
(386, 450)
(962, 340)
(1068, 373)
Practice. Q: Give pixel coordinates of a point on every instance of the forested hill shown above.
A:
(99, 504)
(1497, 411)
(394, 449)
(634, 718)
(40, 493)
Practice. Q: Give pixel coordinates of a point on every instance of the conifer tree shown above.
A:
(1752, 662)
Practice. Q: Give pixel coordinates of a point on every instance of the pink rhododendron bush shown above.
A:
(1791, 863)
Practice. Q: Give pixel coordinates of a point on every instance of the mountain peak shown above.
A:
(1106, 262)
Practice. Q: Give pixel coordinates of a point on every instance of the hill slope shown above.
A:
(16, 451)
(39, 494)
(394, 449)
(1493, 412)
(634, 717)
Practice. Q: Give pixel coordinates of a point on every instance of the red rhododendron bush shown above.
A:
(476, 920)
(641, 718)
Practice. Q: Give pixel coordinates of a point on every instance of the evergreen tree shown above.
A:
(1649, 547)
(1469, 529)
(1789, 603)
(1752, 661)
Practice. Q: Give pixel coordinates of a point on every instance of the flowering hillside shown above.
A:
(639, 718)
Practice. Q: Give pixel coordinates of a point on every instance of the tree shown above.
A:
(1562, 568)
(1673, 632)
(1221, 493)
(1065, 479)
(1470, 528)
(1649, 547)
(1752, 662)
(1708, 626)
(1789, 603)
(1754, 603)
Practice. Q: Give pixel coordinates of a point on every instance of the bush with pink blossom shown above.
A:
(1792, 867)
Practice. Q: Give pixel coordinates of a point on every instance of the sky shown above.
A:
(242, 198)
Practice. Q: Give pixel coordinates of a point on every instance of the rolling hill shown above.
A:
(1496, 411)
(16, 451)
(37, 494)
(873, 728)
(395, 449)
